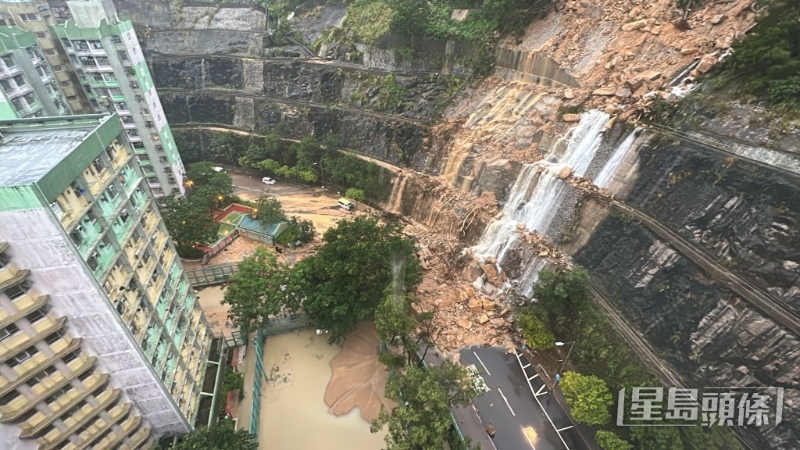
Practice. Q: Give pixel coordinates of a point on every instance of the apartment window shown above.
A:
(132, 133)
(85, 375)
(33, 53)
(8, 22)
(109, 77)
(152, 180)
(115, 92)
(38, 315)
(122, 106)
(55, 395)
(19, 80)
(123, 215)
(75, 409)
(123, 55)
(116, 39)
(98, 165)
(97, 77)
(9, 61)
(112, 192)
(66, 43)
(8, 331)
(81, 45)
(41, 376)
(58, 68)
(8, 398)
(6, 85)
(126, 119)
(17, 104)
(18, 290)
(41, 71)
(22, 356)
(95, 44)
(102, 61)
(32, 17)
(71, 356)
(138, 145)
(92, 261)
(30, 98)
(54, 337)
(88, 61)
(42, 34)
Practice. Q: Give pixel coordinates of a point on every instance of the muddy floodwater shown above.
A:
(293, 410)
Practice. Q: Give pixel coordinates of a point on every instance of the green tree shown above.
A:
(422, 418)
(346, 280)
(370, 19)
(261, 287)
(208, 185)
(767, 61)
(534, 329)
(607, 440)
(564, 294)
(588, 397)
(189, 224)
(269, 209)
(222, 436)
(657, 438)
(356, 194)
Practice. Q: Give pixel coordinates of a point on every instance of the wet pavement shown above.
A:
(511, 408)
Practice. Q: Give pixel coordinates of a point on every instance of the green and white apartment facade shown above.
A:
(28, 84)
(108, 60)
(91, 62)
(103, 343)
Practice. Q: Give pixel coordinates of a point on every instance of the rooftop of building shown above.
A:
(31, 148)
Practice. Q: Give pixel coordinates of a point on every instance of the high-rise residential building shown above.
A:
(102, 341)
(35, 16)
(28, 86)
(99, 66)
(113, 73)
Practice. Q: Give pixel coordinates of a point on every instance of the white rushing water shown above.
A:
(537, 193)
(610, 168)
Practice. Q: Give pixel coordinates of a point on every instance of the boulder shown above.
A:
(718, 19)
(498, 323)
(623, 92)
(568, 94)
(475, 305)
(471, 271)
(488, 288)
(464, 323)
(483, 319)
(634, 83)
(686, 51)
(607, 91)
(488, 304)
(635, 25)
(650, 75)
(571, 118)
(520, 226)
(564, 173)
(706, 63)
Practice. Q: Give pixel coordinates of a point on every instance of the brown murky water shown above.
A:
(294, 415)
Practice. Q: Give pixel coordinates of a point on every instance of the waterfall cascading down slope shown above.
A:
(538, 193)
(610, 168)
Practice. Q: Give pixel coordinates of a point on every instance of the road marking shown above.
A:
(482, 364)
(526, 431)
(565, 428)
(506, 400)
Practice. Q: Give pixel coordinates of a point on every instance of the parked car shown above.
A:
(268, 180)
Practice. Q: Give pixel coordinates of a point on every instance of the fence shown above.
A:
(275, 326)
(211, 274)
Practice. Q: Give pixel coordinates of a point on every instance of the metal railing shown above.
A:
(212, 274)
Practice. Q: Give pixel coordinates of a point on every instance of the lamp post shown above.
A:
(321, 174)
(564, 363)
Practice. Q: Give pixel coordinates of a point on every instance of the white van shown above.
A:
(346, 203)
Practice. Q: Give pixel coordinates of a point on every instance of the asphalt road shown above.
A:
(510, 407)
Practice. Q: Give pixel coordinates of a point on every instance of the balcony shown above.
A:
(118, 155)
(26, 371)
(154, 289)
(78, 420)
(90, 232)
(144, 269)
(69, 206)
(101, 425)
(112, 440)
(104, 258)
(20, 341)
(138, 439)
(24, 305)
(9, 71)
(10, 274)
(121, 227)
(140, 323)
(149, 222)
(153, 335)
(97, 181)
(131, 181)
(19, 91)
(126, 304)
(68, 401)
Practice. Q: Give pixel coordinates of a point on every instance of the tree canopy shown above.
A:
(422, 418)
(588, 397)
(607, 440)
(346, 280)
(259, 289)
(222, 436)
(189, 223)
(767, 61)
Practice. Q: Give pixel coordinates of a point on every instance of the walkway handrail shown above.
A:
(212, 274)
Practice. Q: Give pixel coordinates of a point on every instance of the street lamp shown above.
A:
(561, 344)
